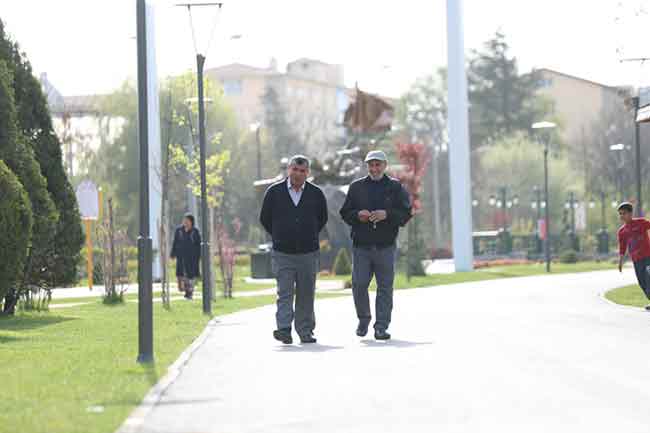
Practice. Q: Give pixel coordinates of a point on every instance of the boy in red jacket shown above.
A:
(633, 239)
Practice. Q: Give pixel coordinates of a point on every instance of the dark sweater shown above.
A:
(385, 194)
(294, 229)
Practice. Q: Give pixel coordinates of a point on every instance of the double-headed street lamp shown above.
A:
(571, 205)
(205, 227)
(547, 245)
(504, 203)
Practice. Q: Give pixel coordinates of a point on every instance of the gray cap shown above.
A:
(376, 155)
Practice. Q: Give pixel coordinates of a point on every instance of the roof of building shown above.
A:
(573, 77)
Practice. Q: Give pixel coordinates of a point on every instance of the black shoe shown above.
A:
(381, 335)
(647, 307)
(362, 329)
(307, 339)
(283, 335)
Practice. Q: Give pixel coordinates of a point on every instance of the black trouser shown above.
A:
(379, 262)
(642, 269)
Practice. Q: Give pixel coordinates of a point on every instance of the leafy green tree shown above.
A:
(502, 101)
(115, 165)
(19, 157)
(33, 119)
(16, 221)
(517, 163)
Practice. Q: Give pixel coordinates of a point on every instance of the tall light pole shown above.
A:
(459, 161)
(205, 227)
(145, 248)
(619, 147)
(256, 128)
(547, 229)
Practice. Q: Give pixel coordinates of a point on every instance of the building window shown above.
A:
(545, 83)
(232, 87)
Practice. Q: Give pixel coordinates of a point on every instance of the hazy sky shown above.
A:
(88, 46)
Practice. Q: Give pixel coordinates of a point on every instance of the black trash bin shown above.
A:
(261, 265)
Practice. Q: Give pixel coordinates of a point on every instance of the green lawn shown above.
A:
(58, 364)
(491, 273)
(628, 295)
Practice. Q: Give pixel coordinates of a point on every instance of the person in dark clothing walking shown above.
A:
(294, 212)
(376, 207)
(186, 249)
(633, 240)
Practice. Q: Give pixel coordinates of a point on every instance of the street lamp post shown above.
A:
(205, 227)
(256, 128)
(537, 205)
(603, 236)
(571, 205)
(547, 241)
(503, 203)
(145, 247)
(620, 147)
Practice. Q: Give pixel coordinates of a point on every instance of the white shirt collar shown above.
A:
(302, 188)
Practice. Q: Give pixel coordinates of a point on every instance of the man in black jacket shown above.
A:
(294, 212)
(376, 207)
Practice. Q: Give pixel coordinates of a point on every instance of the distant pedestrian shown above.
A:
(376, 207)
(633, 239)
(294, 212)
(186, 249)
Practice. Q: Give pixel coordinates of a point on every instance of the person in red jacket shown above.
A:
(633, 239)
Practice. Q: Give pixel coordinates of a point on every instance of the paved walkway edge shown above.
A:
(134, 421)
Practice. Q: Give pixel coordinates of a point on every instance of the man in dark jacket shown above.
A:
(294, 212)
(186, 249)
(376, 207)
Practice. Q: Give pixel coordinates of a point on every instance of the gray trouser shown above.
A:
(296, 273)
(381, 263)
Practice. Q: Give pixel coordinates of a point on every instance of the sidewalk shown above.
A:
(535, 354)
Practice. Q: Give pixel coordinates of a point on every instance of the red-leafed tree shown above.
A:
(415, 158)
(227, 255)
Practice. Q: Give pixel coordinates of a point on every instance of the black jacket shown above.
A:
(394, 200)
(187, 251)
(294, 229)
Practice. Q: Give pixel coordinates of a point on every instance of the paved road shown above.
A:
(539, 354)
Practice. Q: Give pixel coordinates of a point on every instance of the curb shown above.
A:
(136, 418)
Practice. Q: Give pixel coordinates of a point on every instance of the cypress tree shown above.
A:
(20, 158)
(16, 221)
(34, 121)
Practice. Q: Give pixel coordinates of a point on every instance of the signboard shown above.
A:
(87, 197)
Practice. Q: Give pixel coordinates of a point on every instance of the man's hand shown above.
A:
(377, 215)
(364, 215)
(620, 263)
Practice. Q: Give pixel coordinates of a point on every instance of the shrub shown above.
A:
(569, 256)
(16, 223)
(342, 263)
